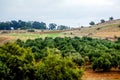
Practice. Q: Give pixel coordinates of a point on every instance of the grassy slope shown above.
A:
(108, 29)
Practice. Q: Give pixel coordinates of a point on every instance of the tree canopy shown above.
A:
(16, 62)
(92, 23)
(58, 58)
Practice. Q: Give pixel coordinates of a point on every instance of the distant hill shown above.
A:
(109, 29)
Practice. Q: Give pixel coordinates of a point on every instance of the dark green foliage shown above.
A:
(56, 59)
(102, 20)
(52, 26)
(81, 50)
(19, 42)
(23, 25)
(111, 18)
(31, 30)
(77, 58)
(119, 26)
(118, 40)
(92, 23)
(62, 27)
(39, 25)
(13, 25)
(107, 60)
(103, 62)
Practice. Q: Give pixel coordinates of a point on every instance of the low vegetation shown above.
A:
(99, 53)
(18, 63)
(58, 58)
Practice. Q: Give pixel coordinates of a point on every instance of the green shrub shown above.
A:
(119, 26)
(103, 63)
(31, 30)
(16, 63)
(54, 67)
(77, 58)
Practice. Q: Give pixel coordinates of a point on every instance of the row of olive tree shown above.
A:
(18, 63)
(80, 50)
(56, 59)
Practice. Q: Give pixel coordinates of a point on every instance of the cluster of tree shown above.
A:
(22, 25)
(101, 21)
(62, 27)
(18, 63)
(101, 54)
(56, 59)
(10, 25)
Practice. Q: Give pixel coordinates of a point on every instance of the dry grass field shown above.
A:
(109, 29)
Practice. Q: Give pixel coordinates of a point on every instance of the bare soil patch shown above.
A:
(4, 39)
(92, 75)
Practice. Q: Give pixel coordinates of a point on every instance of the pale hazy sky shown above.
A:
(66, 12)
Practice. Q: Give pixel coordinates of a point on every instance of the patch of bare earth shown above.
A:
(4, 39)
(92, 75)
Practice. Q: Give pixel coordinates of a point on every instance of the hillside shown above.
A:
(109, 29)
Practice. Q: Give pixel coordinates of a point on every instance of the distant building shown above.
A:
(12, 28)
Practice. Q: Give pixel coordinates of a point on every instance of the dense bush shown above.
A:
(78, 48)
(31, 30)
(58, 58)
(54, 67)
(103, 62)
(16, 63)
(81, 50)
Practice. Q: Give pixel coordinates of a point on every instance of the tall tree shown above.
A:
(38, 25)
(21, 23)
(102, 20)
(92, 23)
(62, 27)
(16, 63)
(52, 26)
(111, 18)
(14, 24)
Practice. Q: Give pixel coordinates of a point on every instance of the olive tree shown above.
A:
(16, 63)
(55, 67)
(92, 23)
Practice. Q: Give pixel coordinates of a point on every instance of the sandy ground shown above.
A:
(91, 75)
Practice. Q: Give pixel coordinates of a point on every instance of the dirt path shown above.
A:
(91, 75)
